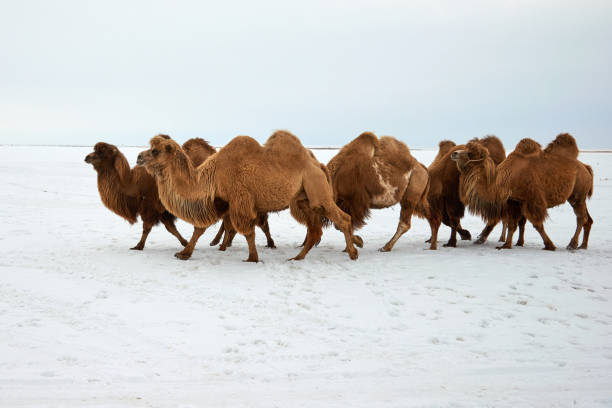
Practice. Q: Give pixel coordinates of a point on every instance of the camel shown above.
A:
(527, 183)
(444, 201)
(245, 179)
(198, 150)
(130, 192)
(378, 173)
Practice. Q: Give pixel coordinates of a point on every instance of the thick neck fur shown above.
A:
(114, 186)
(188, 192)
(478, 190)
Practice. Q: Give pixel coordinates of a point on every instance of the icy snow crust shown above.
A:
(86, 322)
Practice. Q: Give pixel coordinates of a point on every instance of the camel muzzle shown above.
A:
(140, 159)
(88, 158)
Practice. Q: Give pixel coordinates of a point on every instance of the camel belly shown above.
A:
(391, 194)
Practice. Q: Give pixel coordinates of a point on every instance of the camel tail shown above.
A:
(590, 170)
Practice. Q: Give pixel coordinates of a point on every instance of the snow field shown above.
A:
(84, 321)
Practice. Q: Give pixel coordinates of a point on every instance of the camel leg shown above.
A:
(402, 227)
(482, 238)
(230, 233)
(217, 237)
(313, 235)
(265, 227)
(502, 237)
(548, 244)
(463, 233)
(172, 229)
(587, 230)
(521, 226)
(452, 241)
(188, 250)
(434, 225)
(511, 228)
(250, 237)
(146, 228)
(320, 197)
(581, 221)
(511, 219)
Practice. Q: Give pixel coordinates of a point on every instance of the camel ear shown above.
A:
(169, 148)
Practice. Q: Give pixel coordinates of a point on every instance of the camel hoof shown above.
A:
(466, 237)
(572, 246)
(479, 241)
(214, 242)
(549, 248)
(271, 245)
(182, 256)
(450, 245)
(519, 243)
(503, 247)
(358, 241)
(582, 246)
(222, 248)
(138, 248)
(353, 255)
(249, 259)
(296, 258)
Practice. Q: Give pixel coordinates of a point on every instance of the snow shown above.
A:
(86, 322)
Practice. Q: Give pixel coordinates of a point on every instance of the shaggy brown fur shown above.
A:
(444, 200)
(247, 179)
(198, 150)
(477, 172)
(130, 192)
(377, 173)
(528, 182)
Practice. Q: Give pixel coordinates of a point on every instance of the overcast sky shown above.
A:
(76, 72)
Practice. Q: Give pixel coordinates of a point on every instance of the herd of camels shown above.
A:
(244, 181)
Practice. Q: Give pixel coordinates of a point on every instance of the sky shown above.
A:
(78, 72)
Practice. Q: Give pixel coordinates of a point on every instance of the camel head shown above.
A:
(474, 156)
(162, 153)
(104, 155)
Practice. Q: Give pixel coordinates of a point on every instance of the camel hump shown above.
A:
(444, 146)
(366, 139)
(395, 152)
(198, 150)
(283, 139)
(495, 147)
(528, 146)
(565, 145)
(198, 142)
(244, 142)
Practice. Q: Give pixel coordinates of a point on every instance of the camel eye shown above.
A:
(155, 152)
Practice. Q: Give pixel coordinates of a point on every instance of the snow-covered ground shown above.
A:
(86, 322)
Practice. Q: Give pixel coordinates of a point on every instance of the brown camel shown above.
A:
(378, 173)
(527, 183)
(444, 201)
(198, 150)
(475, 174)
(130, 192)
(246, 179)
